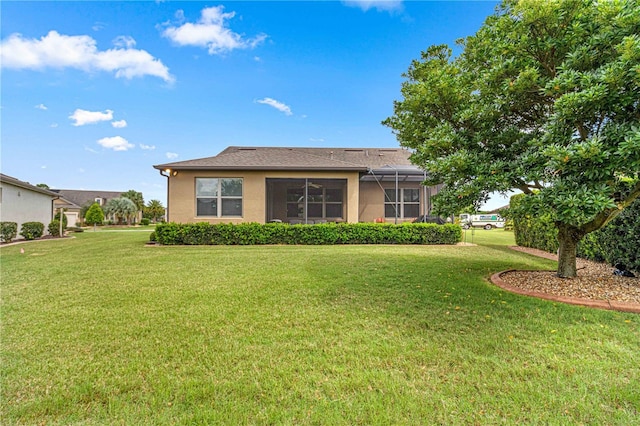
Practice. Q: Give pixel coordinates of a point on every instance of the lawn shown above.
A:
(103, 330)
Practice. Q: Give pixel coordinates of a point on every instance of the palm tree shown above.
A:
(154, 209)
(121, 209)
(137, 199)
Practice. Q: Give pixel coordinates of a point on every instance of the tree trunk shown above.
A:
(568, 238)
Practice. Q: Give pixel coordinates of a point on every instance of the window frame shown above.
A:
(318, 199)
(400, 203)
(219, 198)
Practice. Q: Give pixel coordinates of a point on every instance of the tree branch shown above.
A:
(608, 215)
(584, 133)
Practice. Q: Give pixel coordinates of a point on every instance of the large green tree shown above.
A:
(544, 98)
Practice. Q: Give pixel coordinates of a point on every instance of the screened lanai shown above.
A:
(404, 194)
(306, 200)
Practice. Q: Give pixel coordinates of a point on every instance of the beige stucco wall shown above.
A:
(182, 199)
(372, 200)
(22, 205)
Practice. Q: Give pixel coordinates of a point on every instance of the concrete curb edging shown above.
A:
(37, 240)
(598, 304)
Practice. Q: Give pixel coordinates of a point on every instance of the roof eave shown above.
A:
(261, 168)
(26, 185)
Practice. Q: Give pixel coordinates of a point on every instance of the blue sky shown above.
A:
(95, 93)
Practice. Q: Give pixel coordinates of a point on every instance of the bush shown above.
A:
(617, 242)
(64, 219)
(152, 237)
(94, 215)
(144, 221)
(75, 229)
(8, 231)
(54, 228)
(32, 230)
(280, 233)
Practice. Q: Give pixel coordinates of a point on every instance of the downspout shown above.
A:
(53, 208)
(168, 171)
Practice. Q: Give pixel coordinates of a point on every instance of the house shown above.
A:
(297, 185)
(72, 211)
(74, 200)
(22, 202)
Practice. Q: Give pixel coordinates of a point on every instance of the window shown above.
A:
(219, 197)
(322, 202)
(408, 204)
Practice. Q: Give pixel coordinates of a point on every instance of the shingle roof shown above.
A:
(26, 185)
(84, 197)
(269, 158)
(67, 204)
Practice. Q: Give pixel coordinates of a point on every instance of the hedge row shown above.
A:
(29, 230)
(533, 231)
(618, 242)
(330, 233)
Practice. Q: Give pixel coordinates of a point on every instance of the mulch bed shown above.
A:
(595, 285)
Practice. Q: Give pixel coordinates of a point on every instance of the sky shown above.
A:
(93, 94)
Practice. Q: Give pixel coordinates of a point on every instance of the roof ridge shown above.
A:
(331, 159)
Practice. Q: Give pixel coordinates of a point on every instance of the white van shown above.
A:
(486, 221)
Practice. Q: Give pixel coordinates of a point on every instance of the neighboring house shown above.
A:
(71, 210)
(74, 200)
(22, 202)
(297, 185)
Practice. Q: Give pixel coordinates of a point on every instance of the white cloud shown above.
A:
(54, 125)
(126, 42)
(210, 32)
(147, 147)
(119, 124)
(276, 104)
(80, 52)
(171, 155)
(379, 5)
(83, 117)
(116, 143)
(41, 106)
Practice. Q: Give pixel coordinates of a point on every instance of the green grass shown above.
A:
(102, 330)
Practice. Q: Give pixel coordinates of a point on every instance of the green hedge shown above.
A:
(536, 232)
(8, 231)
(32, 230)
(330, 233)
(618, 242)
